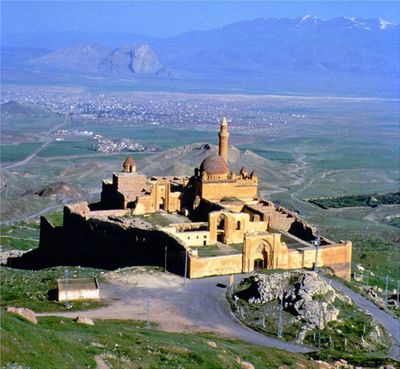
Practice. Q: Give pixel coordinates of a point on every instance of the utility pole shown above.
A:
(319, 328)
(398, 292)
(316, 242)
(165, 258)
(280, 321)
(148, 312)
(386, 289)
(186, 262)
(66, 276)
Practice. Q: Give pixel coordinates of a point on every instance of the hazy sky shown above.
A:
(166, 18)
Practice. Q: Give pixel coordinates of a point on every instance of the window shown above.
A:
(238, 225)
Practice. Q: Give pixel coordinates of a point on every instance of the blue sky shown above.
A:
(166, 18)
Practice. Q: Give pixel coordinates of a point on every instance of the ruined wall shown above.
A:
(235, 226)
(102, 243)
(217, 265)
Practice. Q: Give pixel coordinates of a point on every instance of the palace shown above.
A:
(211, 223)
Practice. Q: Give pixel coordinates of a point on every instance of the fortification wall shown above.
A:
(337, 257)
(102, 243)
(218, 265)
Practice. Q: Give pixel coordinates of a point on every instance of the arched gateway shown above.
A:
(259, 256)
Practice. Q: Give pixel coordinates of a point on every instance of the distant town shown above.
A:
(167, 110)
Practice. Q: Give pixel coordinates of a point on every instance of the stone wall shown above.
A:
(191, 238)
(102, 243)
(336, 257)
(217, 265)
(216, 191)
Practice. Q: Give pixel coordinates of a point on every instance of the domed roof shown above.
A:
(214, 164)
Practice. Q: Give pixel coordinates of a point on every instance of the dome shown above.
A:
(214, 164)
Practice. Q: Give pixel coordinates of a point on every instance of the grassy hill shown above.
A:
(60, 343)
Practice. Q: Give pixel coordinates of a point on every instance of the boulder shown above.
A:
(83, 320)
(24, 313)
(244, 364)
(212, 344)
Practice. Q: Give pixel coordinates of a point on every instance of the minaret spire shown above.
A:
(223, 139)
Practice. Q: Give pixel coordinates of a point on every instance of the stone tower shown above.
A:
(129, 165)
(223, 139)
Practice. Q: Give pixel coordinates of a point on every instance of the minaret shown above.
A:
(223, 140)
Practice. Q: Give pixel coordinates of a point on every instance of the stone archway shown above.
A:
(259, 264)
(263, 255)
(162, 203)
(221, 227)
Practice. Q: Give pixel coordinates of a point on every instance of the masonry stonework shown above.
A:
(225, 227)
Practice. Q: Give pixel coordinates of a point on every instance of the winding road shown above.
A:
(201, 305)
(49, 139)
(391, 324)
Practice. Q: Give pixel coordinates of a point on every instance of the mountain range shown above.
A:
(325, 55)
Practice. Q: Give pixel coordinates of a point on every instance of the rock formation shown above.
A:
(304, 294)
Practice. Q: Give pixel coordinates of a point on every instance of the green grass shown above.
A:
(25, 235)
(395, 222)
(214, 250)
(156, 219)
(378, 256)
(28, 288)
(21, 236)
(57, 342)
(56, 218)
(357, 200)
(17, 152)
(66, 148)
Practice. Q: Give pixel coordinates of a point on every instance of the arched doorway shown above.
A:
(258, 264)
(162, 203)
(221, 228)
(262, 257)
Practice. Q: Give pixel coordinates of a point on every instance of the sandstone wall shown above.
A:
(216, 191)
(218, 265)
(102, 243)
(191, 238)
(337, 257)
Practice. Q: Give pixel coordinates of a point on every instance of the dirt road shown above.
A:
(200, 305)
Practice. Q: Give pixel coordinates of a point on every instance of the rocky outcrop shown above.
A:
(24, 313)
(133, 59)
(304, 294)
